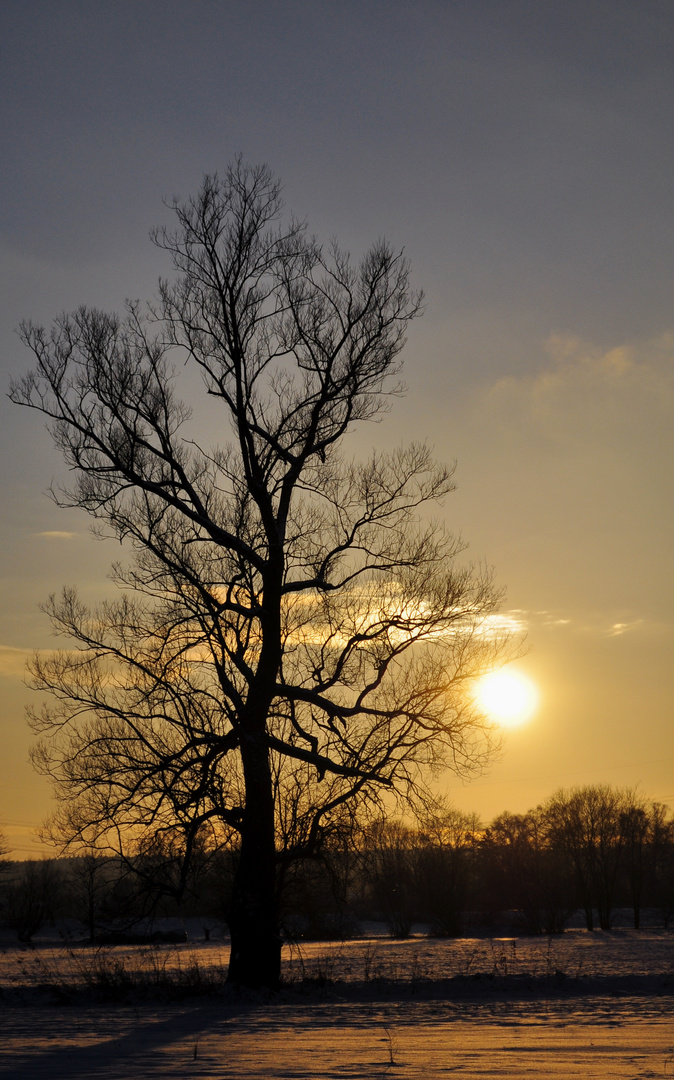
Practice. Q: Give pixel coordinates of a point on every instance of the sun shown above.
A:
(508, 697)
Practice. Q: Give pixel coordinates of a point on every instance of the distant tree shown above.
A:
(88, 884)
(588, 824)
(4, 852)
(390, 849)
(32, 897)
(317, 899)
(661, 842)
(636, 828)
(447, 842)
(108, 894)
(527, 870)
(289, 632)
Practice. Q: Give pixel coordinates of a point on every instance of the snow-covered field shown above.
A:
(593, 1005)
(575, 954)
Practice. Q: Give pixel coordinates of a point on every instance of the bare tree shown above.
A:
(390, 855)
(289, 633)
(635, 827)
(648, 831)
(32, 897)
(88, 883)
(445, 867)
(529, 871)
(588, 824)
(662, 860)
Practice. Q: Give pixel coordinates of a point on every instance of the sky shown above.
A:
(521, 151)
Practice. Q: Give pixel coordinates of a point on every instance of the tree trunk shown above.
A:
(91, 915)
(605, 910)
(255, 954)
(252, 917)
(636, 879)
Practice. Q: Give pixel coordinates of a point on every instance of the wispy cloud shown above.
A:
(513, 621)
(13, 661)
(596, 625)
(619, 628)
(589, 394)
(56, 534)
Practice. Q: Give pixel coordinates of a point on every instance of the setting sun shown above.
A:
(508, 697)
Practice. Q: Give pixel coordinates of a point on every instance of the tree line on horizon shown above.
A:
(592, 849)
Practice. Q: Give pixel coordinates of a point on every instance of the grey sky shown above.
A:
(523, 154)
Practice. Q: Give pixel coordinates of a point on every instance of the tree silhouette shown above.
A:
(291, 641)
(587, 824)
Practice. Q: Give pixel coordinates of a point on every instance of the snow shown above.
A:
(593, 1005)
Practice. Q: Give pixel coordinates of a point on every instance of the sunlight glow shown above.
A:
(508, 697)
